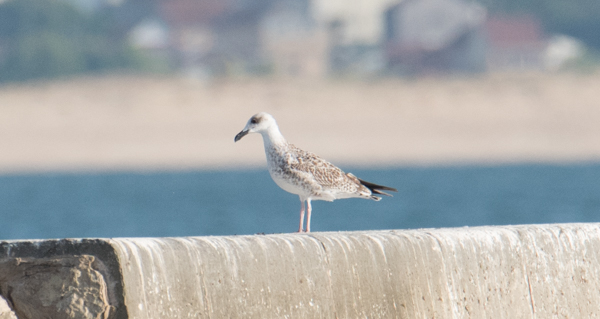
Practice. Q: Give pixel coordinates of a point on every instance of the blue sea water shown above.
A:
(196, 203)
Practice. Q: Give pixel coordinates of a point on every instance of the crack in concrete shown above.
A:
(530, 296)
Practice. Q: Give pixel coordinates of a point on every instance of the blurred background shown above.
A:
(117, 117)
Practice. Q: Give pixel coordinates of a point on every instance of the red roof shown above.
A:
(513, 30)
(191, 12)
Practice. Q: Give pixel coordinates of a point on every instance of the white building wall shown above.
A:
(363, 19)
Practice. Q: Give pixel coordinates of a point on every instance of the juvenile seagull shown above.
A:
(305, 174)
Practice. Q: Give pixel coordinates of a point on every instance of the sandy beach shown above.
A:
(169, 123)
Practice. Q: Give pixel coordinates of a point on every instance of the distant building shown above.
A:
(435, 36)
(561, 51)
(293, 41)
(150, 34)
(291, 37)
(212, 37)
(515, 43)
(354, 33)
(357, 22)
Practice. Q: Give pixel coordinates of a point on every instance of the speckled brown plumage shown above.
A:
(313, 174)
(306, 174)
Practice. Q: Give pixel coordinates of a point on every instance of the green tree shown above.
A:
(50, 38)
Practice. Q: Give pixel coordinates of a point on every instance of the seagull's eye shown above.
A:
(253, 121)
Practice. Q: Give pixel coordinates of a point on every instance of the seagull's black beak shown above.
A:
(240, 135)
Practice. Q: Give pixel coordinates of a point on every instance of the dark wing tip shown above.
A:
(377, 189)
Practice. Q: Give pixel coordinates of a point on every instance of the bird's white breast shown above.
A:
(287, 185)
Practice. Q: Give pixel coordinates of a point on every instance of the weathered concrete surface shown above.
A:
(535, 271)
(63, 287)
(69, 278)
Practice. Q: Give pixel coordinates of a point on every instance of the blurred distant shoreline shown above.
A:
(136, 123)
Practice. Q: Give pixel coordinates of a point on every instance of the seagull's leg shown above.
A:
(308, 211)
(300, 229)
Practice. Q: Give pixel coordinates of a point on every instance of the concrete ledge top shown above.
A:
(525, 271)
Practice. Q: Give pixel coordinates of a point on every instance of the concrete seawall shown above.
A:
(533, 271)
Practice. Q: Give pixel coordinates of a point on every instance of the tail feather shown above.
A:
(377, 189)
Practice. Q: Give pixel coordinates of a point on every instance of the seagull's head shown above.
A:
(258, 123)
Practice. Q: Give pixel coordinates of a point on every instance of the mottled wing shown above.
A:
(327, 175)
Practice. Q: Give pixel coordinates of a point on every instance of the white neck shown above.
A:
(272, 137)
